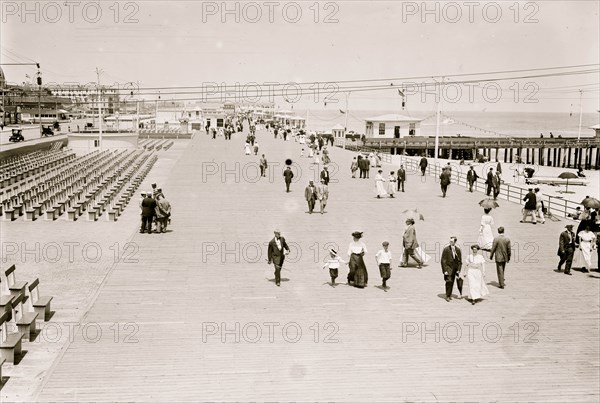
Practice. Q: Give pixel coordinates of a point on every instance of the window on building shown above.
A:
(96, 143)
(381, 129)
(412, 129)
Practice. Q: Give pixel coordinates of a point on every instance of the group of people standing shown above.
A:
(155, 211)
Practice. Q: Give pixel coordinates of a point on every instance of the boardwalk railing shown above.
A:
(513, 193)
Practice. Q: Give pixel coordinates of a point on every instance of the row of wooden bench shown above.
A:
(94, 197)
(34, 167)
(47, 178)
(156, 144)
(18, 324)
(41, 194)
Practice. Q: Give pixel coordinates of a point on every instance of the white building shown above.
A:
(392, 126)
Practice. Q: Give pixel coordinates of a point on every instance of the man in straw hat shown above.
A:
(277, 250)
(409, 241)
(566, 248)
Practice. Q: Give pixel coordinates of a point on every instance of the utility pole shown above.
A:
(580, 113)
(98, 72)
(346, 123)
(437, 127)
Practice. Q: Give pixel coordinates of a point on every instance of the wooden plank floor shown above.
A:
(198, 317)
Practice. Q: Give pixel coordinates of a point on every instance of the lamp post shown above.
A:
(39, 83)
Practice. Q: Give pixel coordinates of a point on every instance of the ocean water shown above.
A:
(476, 124)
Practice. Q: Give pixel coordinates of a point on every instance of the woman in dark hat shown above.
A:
(357, 275)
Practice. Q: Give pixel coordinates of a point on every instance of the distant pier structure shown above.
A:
(556, 152)
(567, 152)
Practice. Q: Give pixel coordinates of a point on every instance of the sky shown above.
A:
(214, 46)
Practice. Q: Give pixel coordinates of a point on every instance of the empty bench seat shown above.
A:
(41, 305)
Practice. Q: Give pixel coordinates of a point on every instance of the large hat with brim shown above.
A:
(357, 234)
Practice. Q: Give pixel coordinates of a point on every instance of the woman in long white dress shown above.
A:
(247, 148)
(486, 235)
(474, 274)
(380, 185)
(587, 243)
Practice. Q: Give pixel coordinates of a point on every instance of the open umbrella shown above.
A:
(567, 176)
(591, 202)
(414, 214)
(488, 203)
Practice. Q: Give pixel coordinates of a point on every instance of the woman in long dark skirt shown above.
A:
(357, 276)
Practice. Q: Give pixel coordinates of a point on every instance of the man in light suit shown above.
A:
(566, 248)
(409, 241)
(501, 250)
(451, 265)
(401, 177)
(310, 194)
(325, 175)
(322, 194)
(276, 252)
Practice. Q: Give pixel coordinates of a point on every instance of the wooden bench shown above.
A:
(30, 215)
(10, 343)
(15, 288)
(41, 305)
(25, 320)
(5, 300)
(9, 215)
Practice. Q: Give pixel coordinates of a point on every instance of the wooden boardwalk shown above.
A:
(194, 314)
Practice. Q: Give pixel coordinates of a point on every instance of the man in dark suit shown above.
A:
(361, 167)
(310, 194)
(530, 205)
(367, 167)
(471, 178)
(444, 180)
(288, 175)
(489, 181)
(276, 252)
(496, 181)
(501, 250)
(401, 177)
(325, 175)
(148, 207)
(423, 165)
(566, 248)
(451, 265)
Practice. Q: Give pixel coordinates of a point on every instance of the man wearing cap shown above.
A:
(288, 175)
(471, 178)
(566, 248)
(276, 252)
(501, 250)
(451, 266)
(409, 241)
(310, 194)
